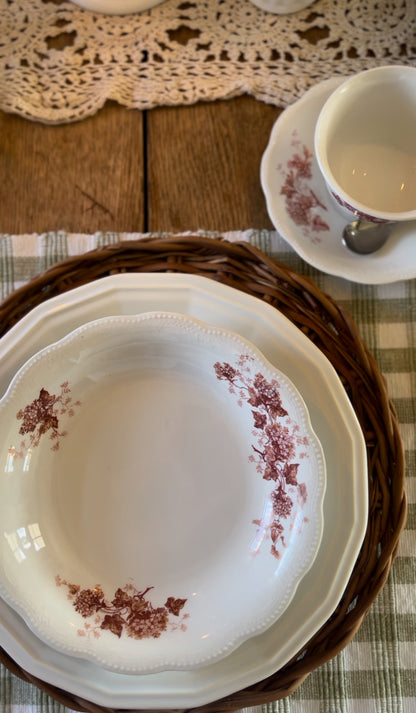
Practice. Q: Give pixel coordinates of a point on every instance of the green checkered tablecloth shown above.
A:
(376, 672)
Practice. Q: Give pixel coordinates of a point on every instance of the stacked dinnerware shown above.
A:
(180, 465)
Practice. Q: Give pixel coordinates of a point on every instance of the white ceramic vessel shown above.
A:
(161, 490)
(282, 7)
(345, 503)
(304, 213)
(365, 144)
(117, 7)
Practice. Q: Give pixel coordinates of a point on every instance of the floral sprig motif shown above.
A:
(277, 441)
(129, 611)
(302, 203)
(42, 416)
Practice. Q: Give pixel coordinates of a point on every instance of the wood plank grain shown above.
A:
(204, 165)
(80, 177)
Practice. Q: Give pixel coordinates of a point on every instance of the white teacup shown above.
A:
(282, 7)
(365, 144)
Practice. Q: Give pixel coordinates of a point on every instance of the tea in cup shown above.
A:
(365, 144)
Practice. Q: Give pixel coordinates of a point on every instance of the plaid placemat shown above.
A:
(376, 672)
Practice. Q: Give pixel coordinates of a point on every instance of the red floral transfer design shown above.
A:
(128, 612)
(42, 416)
(277, 441)
(355, 212)
(302, 204)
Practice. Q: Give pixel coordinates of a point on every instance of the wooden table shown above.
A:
(167, 169)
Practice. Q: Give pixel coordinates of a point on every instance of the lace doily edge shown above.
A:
(276, 89)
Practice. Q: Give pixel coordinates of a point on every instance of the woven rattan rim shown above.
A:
(244, 267)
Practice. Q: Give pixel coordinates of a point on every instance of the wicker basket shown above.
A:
(244, 267)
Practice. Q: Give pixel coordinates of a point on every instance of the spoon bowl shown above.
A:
(364, 238)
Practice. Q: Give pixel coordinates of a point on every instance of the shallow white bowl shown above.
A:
(161, 493)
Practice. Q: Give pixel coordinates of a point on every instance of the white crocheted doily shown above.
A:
(59, 63)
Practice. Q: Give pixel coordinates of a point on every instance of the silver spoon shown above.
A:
(365, 238)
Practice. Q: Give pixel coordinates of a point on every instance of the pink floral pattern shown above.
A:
(302, 203)
(43, 416)
(277, 440)
(357, 213)
(129, 611)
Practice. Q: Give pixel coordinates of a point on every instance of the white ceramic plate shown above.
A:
(302, 211)
(170, 488)
(117, 7)
(345, 503)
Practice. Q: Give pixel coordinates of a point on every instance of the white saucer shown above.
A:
(302, 211)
